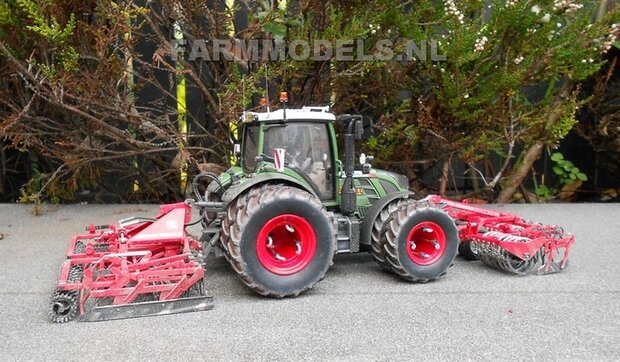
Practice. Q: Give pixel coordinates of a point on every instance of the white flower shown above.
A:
(559, 25)
(546, 18)
(614, 32)
(569, 7)
(510, 3)
(591, 60)
(535, 9)
(466, 95)
(452, 10)
(584, 61)
(479, 45)
(518, 59)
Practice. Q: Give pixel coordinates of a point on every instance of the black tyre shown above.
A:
(231, 215)
(280, 240)
(468, 251)
(420, 241)
(377, 249)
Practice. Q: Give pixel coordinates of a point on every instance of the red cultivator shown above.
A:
(139, 267)
(506, 241)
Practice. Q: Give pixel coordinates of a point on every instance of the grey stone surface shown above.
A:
(356, 313)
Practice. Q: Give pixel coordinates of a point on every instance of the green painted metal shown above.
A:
(369, 187)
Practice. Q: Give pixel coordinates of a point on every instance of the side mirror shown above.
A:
(359, 128)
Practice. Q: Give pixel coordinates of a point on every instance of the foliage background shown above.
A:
(89, 111)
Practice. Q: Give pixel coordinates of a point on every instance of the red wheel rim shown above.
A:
(286, 244)
(426, 243)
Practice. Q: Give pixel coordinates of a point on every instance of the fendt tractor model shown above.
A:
(279, 217)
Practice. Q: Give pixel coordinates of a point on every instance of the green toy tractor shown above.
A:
(292, 203)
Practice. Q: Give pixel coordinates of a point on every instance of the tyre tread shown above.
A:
(239, 215)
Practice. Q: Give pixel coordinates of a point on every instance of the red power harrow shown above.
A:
(506, 241)
(139, 267)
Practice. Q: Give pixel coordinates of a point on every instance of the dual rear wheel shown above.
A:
(417, 241)
(281, 241)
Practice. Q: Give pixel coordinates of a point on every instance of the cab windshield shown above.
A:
(306, 147)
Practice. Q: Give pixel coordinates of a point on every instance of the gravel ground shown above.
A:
(357, 313)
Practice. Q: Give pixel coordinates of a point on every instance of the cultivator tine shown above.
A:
(556, 258)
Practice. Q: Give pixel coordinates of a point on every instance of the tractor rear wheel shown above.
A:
(420, 241)
(377, 249)
(280, 240)
(231, 215)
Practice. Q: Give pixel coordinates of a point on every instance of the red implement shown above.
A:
(506, 241)
(137, 267)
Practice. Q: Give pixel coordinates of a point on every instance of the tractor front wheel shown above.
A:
(281, 241)
(420, 241)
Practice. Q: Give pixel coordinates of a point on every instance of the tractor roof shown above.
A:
(304, 113)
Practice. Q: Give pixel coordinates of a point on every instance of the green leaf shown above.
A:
(277, 30)
(294, 23)
(557, 157)
(572, 176)
(558, 170)
(582, 176)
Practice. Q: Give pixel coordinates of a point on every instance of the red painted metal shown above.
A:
(286, 244)
(520, 238)
(137, 257)
(150, 263)
(426, 243)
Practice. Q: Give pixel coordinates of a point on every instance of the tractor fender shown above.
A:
(237, 188)
(375, 210)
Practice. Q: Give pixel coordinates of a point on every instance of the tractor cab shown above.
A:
(296, 142)
(299, 147)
